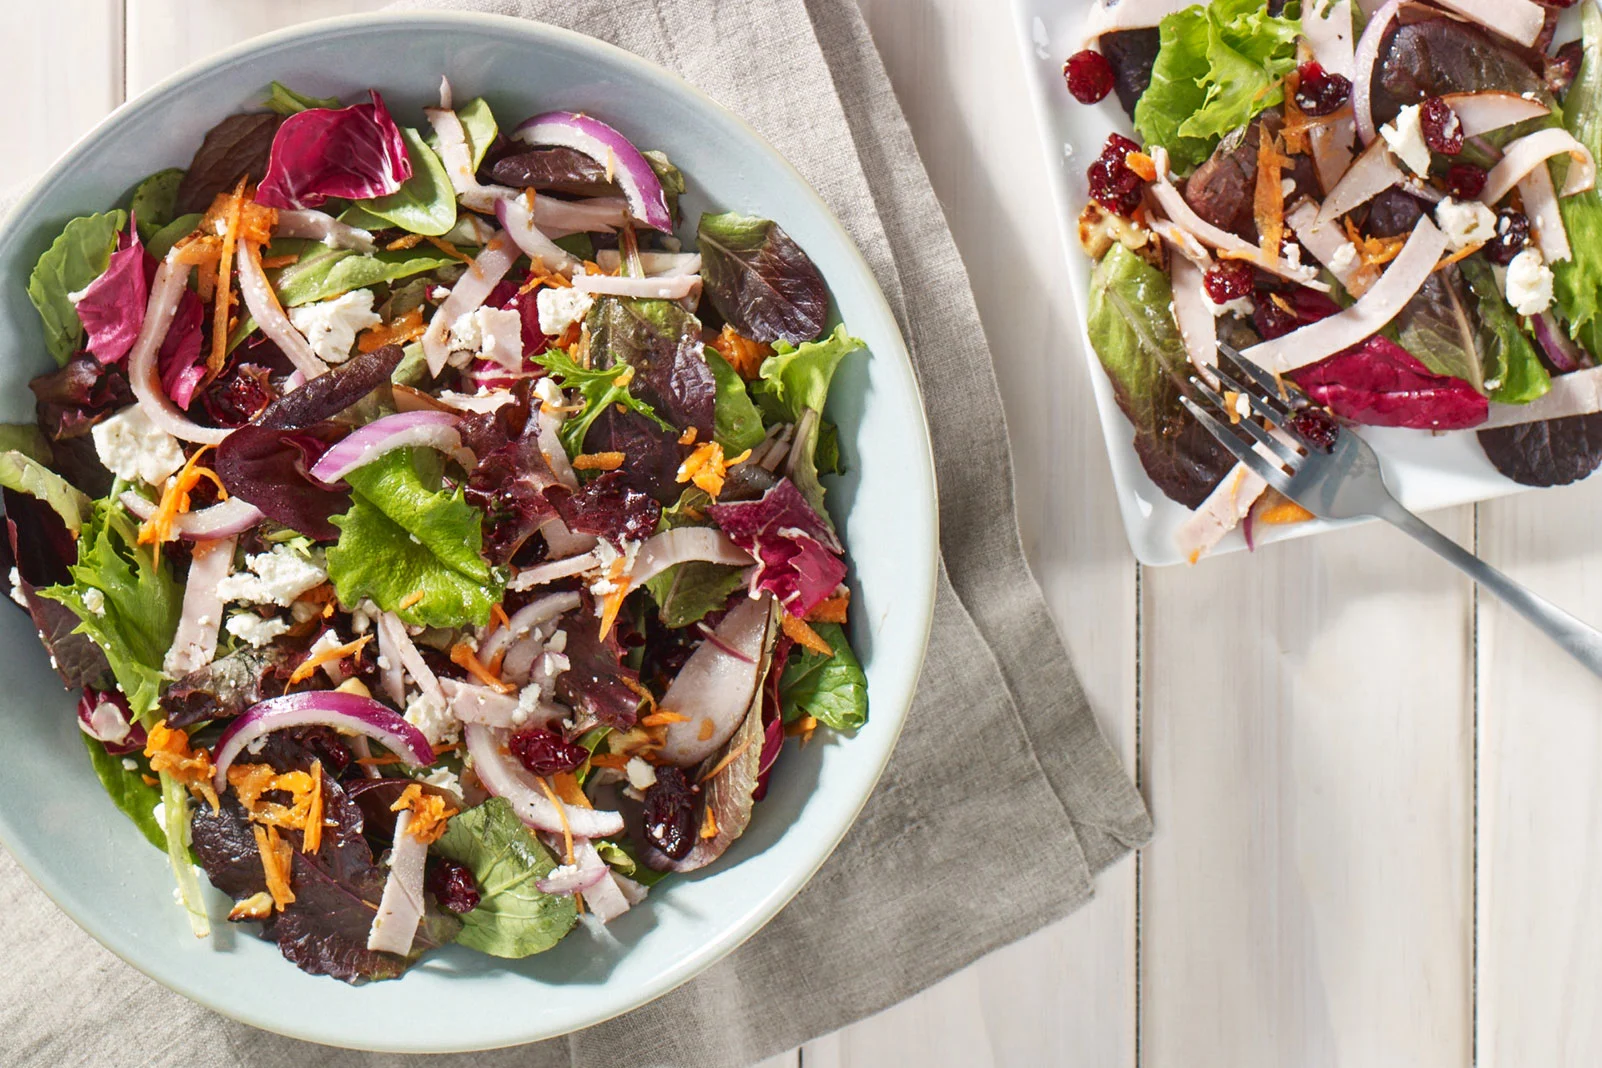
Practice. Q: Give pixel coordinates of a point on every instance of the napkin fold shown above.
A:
(929, 879)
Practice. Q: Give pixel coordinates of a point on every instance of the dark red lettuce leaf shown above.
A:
(112, 308)
(79, 395)
(356, 153)
(760, 280)
(1133, 54)
(1379, 383)
(651, 455)
(238, 147)
(223, 688)
(271, 469)
(662, 342)
(375, 798)
(1551, 452)
(510, 486)
(226, 849)
(1442, 55)
(797, 554)
(179, 359)
(40, 547)
(484, 432)
(594, 685)
(610, 508)
(772, 715)
(1220, 191)
(547, 168)
(327, 395)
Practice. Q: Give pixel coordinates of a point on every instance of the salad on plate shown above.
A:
(1390, 206)
(437, 542)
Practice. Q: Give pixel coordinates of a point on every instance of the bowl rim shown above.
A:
(920, 469)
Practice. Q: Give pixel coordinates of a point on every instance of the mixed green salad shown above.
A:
(1392, 207)
(437, 542)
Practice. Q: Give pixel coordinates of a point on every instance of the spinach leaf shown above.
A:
(323, 273)
(737, 425)
(1513, 370)
(402, 537)
(154, 200)
(1577, 281)
(831, 689)
(795, 379)
(76, 258)
(128, 790)
(760, 280)
(1138, 344)
(24, 474)
(600, 389)
(1438, 327)
(426, 204)
(285, 101)
(162, 241)
(514, 918)
(662, 342)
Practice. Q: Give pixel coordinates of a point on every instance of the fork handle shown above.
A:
(1580, 640)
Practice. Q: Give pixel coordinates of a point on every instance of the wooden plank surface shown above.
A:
(62, 74)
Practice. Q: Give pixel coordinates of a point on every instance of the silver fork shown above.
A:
(1346, 482)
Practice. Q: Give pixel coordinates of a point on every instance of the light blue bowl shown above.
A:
(88, 857)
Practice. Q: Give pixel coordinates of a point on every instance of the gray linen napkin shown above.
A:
(999, 714)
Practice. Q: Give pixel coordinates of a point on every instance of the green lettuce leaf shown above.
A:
(478, 123)
(162, 241)
(737, 423)
(795, 379)
(672, 180)
(75, 259)
(324, 273)
(1439, 327)
(128, 790)
(402, 536)
(284, 100)
(599, 388)
(1577, 281)
(140, 605)
(514, 918)
(1217, 67)
(154, 201)
(426, 204)
(687, 592)
(832, 689)
(24, 474)
(1513, 370)
(27, 439)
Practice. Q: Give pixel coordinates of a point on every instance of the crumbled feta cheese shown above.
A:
(549, 393)
(1241, 306)
(558, 642)
(1243, 406)
(528, 702)
(383, 662)
(160, 812)
(431, 715)
(553, 664)
(253, 629)
(1405, 135)
(561, 308)
(1344, 258)
(16, 588)
(502, 331)
(467, 334)
(132, 447)
(444, 779)
(1465, 222)
(95, 601)
(641, 775)
(1292, 254)
(331, 326)
(275, 577)
(130, 764)
(361, 617)
(305, 611)
(1287, 186)
(1529, 283)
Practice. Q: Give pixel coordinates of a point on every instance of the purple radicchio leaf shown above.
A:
(179, 359)
(112, 307)
(797, 554)
(356, 153)
(79, 395)
(1379, 383)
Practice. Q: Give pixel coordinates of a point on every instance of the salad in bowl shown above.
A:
(437, 543)
(1392, 207)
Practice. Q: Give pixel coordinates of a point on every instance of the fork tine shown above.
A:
(1278, 418)
(1269, 385)
(1271, 408)
(1280, 449)
(1270, 473)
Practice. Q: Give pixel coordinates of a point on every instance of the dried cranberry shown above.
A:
(1443, 132)
(1465, 181)
(545, 752)
(1512, 234)
(453, 886)
(1319, 92)
(1228, 280)
(1316, 425)
(1563, 66)
(1112, 184)
(670, 813)
(239, 395)
(1272, 320)
(1089, 76)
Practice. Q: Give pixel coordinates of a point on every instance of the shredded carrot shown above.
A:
(1284, 511)
(225, 288)
(251, 782)
(561, 813)
(728, 759)
(1268, 201)
(642, 692)
(1374, 251)
(802, 727)
(743, 354)
(1230, 400)
(405, 241)
(538, 276)
(688, 437)
(568, 789)
(449, 249)
(1142, 165)
(270, 262)
(175, 501)
(598, 461)
(463, 656)
(404, 328)
(168, 751)
(1295, 129)
(410, 599)
(663, 719)
(707, 468)
(609, 760)
(327, 656)
(709, 826)
(313, 839)
(614, 605)
(430, 813)
(1461, 253)
(803, 635)
(499, 617)
(833, 610)
(149, 780)
(276, 857)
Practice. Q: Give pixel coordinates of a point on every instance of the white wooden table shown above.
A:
(1377, 798)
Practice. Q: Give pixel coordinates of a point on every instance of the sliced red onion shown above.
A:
(713, 688)
(536, 613)
(1402, 278)
(392, 631)
(1531, 151)
(400, 908)
(1517, 20)
(551, 447)
(468, 295)
(586, 870)
(551, 570)
(269, 314)
(562, 541)
(1560, 350)
(1363, 61)
(344, 712)
(656, 264)
(194, 644)
(1546, 218)
(504, 777)
(166, 289)
(1374, 172)
(558, 218)
(320, 226)
(623, 162)
(105, 718)
(457, 156)
(1491, 109)
(232, 516)
(437, 430)
(662, 551)
(540, 249)
(675, 287)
